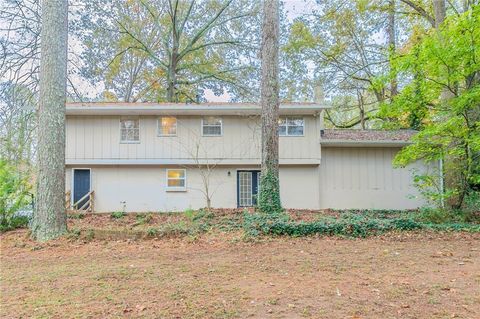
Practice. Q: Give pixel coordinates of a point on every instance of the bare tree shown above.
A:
(49, 220)
(269, 199)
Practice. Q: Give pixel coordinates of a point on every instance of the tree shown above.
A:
(269, 198)
(170, 50)
(49, 219)
(449, 123)
(341, 45)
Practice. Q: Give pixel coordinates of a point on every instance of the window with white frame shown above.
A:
(129, 131)
(291, 126)
(167, 126)
(212, 126)
(176, 179)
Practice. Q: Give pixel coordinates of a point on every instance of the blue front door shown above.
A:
(247, 188)
(81, 186)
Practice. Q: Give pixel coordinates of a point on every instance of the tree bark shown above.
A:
(392, 44)
(439, 12)
(49, 219)
(269, 199)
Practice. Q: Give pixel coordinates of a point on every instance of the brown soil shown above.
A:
(220, 275)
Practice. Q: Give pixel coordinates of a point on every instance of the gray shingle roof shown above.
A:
(368, 135)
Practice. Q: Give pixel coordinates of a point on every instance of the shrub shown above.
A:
(76, 216)
(14, 195)
(443, 216)
(152, 232)
(14, 222)
(117, 215)
(142, 219)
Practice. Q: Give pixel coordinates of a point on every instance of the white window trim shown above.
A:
(286, 127)
(213, 135)
(120, 130)
(176, 188)
(159, 130)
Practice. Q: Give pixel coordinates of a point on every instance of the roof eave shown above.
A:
(353, 143)
(190, 109)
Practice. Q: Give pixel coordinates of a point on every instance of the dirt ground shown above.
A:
(408, 275)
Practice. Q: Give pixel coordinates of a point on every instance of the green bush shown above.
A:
(76, 216)
(14, 195)
(14, 222)
(142, 219)
(443, 216)
(117, 215)
(196, 215)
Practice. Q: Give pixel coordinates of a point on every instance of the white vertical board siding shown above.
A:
(143, 188)
(98, 137)
(364, 178)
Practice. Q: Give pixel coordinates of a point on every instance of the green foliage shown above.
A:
(352, 224)
(269, 198)
(14, 195)
(76, 216)
(152, 232)
(117, 215)
(142, 219)
(14, 222)
(442, 100)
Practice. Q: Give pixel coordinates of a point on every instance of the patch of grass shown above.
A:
(117, 215)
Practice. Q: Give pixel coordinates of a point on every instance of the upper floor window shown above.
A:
(129, 131)
(291, 126)
(212, 126)
(167, 126)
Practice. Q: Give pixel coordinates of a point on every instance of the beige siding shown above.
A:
(98, 138)
(143, 189)
(365, 178)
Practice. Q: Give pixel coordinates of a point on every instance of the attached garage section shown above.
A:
(363, 177)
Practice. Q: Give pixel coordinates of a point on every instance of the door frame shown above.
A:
(72, 186)
(256, 170)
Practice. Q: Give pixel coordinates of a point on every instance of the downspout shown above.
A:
(319, 98)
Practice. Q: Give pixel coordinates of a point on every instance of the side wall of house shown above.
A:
(92, 138)
(143, 188)
(361, 177)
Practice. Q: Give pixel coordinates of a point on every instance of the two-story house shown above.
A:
(143, 157)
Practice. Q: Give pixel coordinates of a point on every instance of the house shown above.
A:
(141, 157)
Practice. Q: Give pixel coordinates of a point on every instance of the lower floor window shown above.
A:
(176, 179)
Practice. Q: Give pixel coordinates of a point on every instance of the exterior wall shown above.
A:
(143, 188)
(98, 138)
(353, 178)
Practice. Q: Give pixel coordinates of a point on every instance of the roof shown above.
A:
(341, 137)
(121, 108)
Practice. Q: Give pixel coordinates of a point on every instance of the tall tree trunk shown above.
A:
(269, 199)
(392, 44)
(49, 220)
(439, 11)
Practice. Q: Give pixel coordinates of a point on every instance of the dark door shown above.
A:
(247, 188)
(81, 186)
